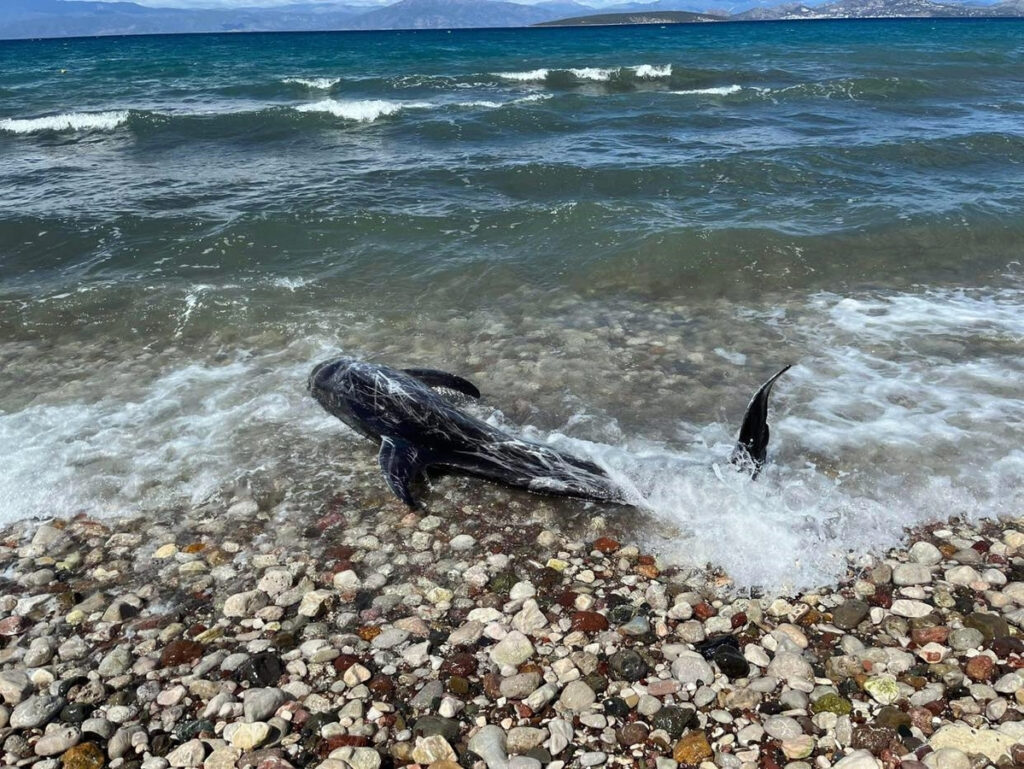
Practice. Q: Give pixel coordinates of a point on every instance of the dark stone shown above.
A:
(316, 721)
(160, 744)
(731, 662)
(631, 734)
(617, 707)
(64, 687)
(190, 729)
(850, 614)
(458, 685)
(76, 712)
(1004, 647)
(122, 697)
(708, 648)
(381, 685)
(502, 582)
(540, 754)
(872, 738)
(627, 665)
(673, 719)
(963, 600)
(263, 669)
(991, 626)
(437, 638)
(461, 664)
(428, 726)
(596, 681)
(284, 641)
(773, 708)
(891, 718)
(622, 614)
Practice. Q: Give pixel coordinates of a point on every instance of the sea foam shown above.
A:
(66, 121)
(723, 90)
(360, 110)
(314, 83)
(593, 74)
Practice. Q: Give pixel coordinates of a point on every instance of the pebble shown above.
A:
(577, 655)
(188, 754)
(35, 711)
(514, 649)
(520, 685)
(57, 740)
(691, 669)
(577, 697)
(858, 759)
(904, 607)
(912, 574)
(791, 668)
(431, 749)
(489, 743)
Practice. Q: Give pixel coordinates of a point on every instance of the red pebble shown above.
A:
(704, 610)
(589, 621)
(606, 545)
(926, 635)
(344, 661)
(980, 668)
(11, 625)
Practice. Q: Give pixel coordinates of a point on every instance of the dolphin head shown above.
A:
(326, 373)
(338, 383)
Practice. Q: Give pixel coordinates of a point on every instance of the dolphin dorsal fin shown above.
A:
(752, 444)
(444, 380)
(400, 462)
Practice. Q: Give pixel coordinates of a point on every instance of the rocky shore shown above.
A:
(368, 636)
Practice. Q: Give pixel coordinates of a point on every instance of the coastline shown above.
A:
(364, 635)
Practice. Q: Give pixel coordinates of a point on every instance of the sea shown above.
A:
(617, 233)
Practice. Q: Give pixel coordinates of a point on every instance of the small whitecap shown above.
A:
(66, 121)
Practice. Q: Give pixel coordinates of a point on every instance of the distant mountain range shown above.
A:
(71, 18)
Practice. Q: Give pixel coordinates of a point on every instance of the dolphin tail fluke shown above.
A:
(752, 445)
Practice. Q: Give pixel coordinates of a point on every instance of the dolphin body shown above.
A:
(418, 427)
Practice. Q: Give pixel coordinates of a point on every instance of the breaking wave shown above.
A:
(592, 74)
(66, 121)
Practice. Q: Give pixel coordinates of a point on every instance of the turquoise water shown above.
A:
(618, 232)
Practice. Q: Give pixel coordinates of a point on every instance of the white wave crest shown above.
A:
(530, 76)
(489, 104)
(723, 90)
(593, 74)
(653, 72)
(314, 83)
(596, 74)
(361, 110)
(66, 121)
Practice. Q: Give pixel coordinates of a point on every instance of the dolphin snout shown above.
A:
(323, 371)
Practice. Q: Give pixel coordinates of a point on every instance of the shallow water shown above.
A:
(616, 233)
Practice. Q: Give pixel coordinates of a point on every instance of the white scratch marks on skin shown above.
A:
(383, 403)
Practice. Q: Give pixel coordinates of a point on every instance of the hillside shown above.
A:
(637, 17)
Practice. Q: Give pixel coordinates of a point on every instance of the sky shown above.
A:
(273, 3)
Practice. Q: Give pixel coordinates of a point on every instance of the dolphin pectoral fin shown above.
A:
(400, 463)
(752, 445)
(444, 380)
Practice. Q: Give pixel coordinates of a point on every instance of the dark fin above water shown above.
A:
(752, 445)
(444, 380)
(400, 463)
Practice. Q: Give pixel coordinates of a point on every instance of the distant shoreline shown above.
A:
(555, 25)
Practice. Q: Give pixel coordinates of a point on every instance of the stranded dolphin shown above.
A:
(418, 428)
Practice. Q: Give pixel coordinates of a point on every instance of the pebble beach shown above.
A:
(487, 635)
